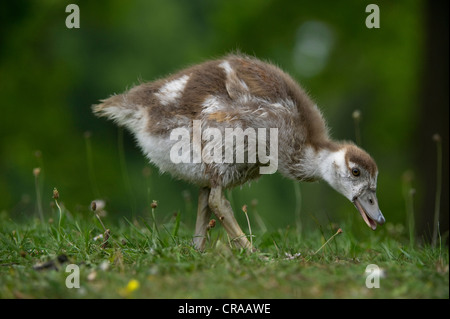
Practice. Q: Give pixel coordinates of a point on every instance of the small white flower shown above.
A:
(98, 237)
(104, 265)
(290, 256)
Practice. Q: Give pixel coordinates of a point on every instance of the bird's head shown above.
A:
(353, 173)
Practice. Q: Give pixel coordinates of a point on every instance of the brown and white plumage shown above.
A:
(242, 92)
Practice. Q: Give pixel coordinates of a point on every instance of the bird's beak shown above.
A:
(367, 205)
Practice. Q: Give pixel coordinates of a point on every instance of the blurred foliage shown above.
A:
(51, 75)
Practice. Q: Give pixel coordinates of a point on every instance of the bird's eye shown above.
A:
(355, 172)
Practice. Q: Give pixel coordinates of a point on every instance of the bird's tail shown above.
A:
(108, 106)
(118, 109)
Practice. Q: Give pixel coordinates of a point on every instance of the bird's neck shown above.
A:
(320, 163)
(329, 163)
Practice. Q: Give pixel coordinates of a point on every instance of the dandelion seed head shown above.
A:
(36, 171)
(356, 114)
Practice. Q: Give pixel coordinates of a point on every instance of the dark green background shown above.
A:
(397, 76)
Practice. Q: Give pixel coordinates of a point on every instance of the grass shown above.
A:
(141, 258)
(144, 260)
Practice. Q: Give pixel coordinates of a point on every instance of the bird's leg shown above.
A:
(222, 209)
(203, 216)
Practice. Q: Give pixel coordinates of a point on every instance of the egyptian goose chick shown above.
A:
(224, 122)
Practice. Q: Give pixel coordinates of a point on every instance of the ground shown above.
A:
(144, 260)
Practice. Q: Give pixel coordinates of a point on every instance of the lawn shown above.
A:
(384, 88)
(143, 259)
